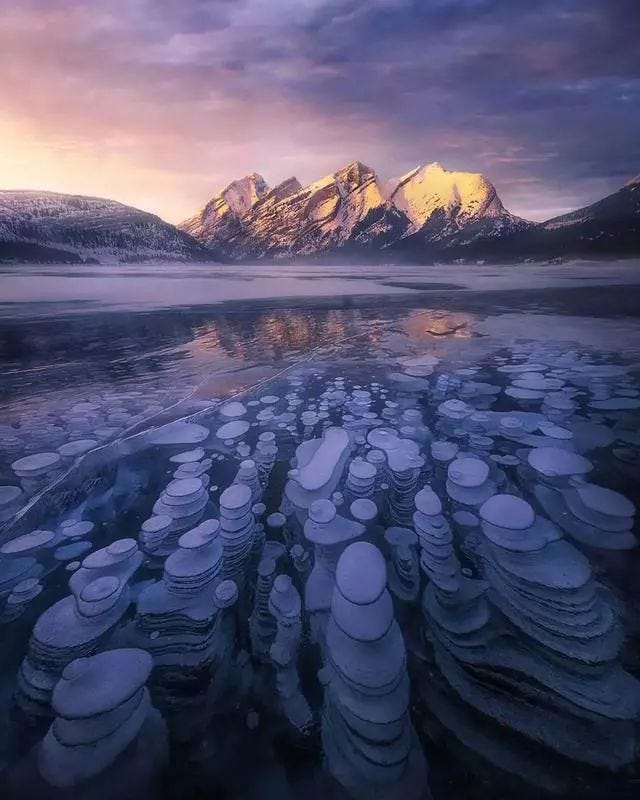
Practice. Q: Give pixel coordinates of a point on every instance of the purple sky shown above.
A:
(160, 103)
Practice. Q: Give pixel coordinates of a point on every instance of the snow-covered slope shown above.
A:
(621, 206)
(45, 226)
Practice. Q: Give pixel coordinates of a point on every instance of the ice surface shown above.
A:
(243, 565)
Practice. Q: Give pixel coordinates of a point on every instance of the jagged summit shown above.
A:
(220, 218)
(431, 188)
(242, 195)
(354, 171)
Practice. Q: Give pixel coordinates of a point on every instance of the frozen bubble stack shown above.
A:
(175, 616)
(247, 475)
(71, 628)
(438, 559)
(442, 453)
(180, 621)
(330, 534)
(73, 529)
(265, 455)
(236, 530)
(361, 479)
(454, 605)
(359, 402)
(529, 388)
(404, 464)
(468, 482)
(551, 470)
(37, 470)
(188, 456)
(378, 459)
(192, 464)
(105, 726)
(301, 560)
(11, 444)
(284, 605)
(21, 595)
(595, 516)
(153, 533)
(451, 417)
(525, 555)
(412, 426)
(23, 561)
(403, 571)
(120, 559)
(262, 627)
(391, 411)
(559, 407)
(571, 637)
(369, 743)
(184, 500)
(446, 384)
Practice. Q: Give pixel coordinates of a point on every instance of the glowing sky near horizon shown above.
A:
(160, 103)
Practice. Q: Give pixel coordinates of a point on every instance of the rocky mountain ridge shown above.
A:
(351, 209)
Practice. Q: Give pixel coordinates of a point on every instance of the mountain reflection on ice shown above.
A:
(402, 562)
(95, 377)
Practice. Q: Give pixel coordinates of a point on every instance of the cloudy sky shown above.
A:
(160, 103)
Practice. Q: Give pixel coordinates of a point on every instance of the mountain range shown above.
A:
(351, 211)
(429, 214)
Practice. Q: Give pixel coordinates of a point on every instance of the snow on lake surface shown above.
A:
(160, 286)
(134, 396)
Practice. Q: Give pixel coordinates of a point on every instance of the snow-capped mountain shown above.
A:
(47, 226)
(351, 209)
(219, 221)
(448, 211)
(461, 197)
(346, 207)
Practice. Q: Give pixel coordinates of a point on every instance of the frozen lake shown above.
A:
(472, 431)
(64, 289)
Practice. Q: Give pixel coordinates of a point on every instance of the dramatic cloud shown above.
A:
(161, 102)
